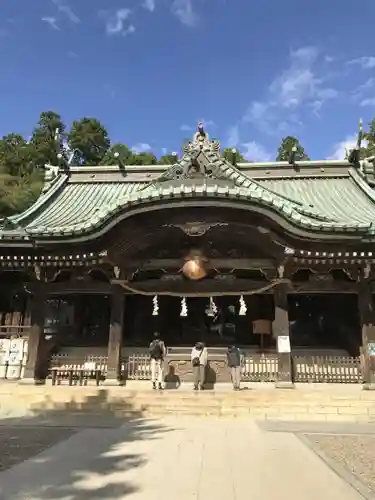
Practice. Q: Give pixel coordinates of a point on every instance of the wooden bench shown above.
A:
(77, 374)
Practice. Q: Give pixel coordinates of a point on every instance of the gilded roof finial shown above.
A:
(201, 135)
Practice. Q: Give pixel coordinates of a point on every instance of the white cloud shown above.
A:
(299, 85)
(164, 151)
(339, 149)
(52, 21)
(141, 147)
(184, 11)
(233, 136)
(149, 5)
(186, 128)
(115, 23)
(253, 151)
(364, 92)
(64, 9)
(368, 102)
(206, 123)
(366, 62)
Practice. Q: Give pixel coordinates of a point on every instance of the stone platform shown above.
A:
(335, 403)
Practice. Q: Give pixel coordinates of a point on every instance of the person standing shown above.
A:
(199, 359)
(158, 352)
(234, 359)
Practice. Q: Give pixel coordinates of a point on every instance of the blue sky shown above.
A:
(150, 69)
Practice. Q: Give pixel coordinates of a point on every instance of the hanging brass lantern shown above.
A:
(194, 267)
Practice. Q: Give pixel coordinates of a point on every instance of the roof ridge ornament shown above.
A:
(201, 142)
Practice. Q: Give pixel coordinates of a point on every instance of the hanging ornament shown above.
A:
(211, 309)
(243, 308)
(155, 310)
(184, 309)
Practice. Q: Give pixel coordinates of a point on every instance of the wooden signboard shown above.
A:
(262, 327)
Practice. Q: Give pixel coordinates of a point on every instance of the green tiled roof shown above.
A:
(320, 197)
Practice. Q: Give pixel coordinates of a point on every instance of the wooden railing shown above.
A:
(255, 368)
(260, 368)
(329, 369)
(137, 366)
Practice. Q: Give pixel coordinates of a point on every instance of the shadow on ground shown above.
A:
(94, 457)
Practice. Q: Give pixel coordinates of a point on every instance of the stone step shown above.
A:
(120, 402)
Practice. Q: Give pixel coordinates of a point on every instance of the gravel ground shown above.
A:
(355, 453)
(19, 443)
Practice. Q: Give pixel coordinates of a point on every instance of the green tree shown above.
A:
(118, 154)
(20, 181)
(168, 159)
(90, 138)
(15, 155)
(144, 158)
(369, 137)
(17, 194)
(285, 149)
(228, 155)
(47, 140)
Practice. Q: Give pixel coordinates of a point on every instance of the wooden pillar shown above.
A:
(36, 340)
(280, 328)
(115, 337)
(367, 315)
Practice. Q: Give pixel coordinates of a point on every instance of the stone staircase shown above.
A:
(305, 403)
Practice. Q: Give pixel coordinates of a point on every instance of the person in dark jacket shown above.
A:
(158, 352)
(234, 363)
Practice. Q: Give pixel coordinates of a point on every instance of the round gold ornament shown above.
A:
(194, 269)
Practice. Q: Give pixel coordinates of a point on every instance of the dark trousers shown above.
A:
(199, 375)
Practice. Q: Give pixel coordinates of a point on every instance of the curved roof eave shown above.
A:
(291, 220)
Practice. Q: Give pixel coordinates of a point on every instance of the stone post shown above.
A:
(280, 328)
(115, 337)
(367, 315)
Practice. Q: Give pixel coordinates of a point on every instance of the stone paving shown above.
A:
(171, 458)
(354, 453)
(18, 444)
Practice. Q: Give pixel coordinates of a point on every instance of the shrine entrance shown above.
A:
(217, 321)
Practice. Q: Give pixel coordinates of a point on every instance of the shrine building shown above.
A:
(277, 258)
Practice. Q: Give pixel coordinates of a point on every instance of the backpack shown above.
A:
(156, 350)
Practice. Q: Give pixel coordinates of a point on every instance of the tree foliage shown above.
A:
(46, 139)
(285, 149)
(228, 155)
(22, 161)
(118, 154)
(90, 138)
(168, 159)
(369, 148)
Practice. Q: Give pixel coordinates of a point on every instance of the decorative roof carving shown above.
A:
(196, 228)
(201, 159)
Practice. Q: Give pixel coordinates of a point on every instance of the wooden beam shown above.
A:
(250, 264)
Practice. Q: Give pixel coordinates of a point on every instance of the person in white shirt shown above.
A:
(199, 358)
